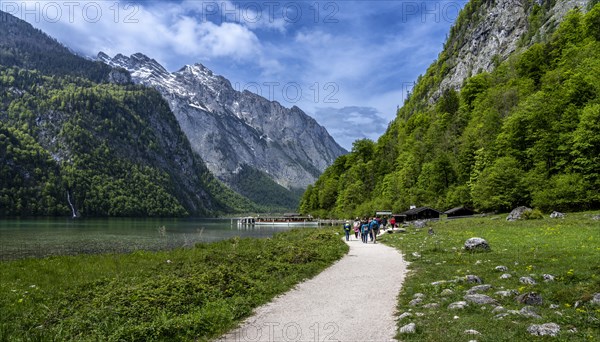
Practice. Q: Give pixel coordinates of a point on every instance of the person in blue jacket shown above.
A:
(364, 231)
(347, 228)
(374, 228)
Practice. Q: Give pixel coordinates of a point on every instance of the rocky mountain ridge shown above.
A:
(495, 30)
(235, 130)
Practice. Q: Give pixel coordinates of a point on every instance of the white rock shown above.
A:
(480, 299)
(458, 305)
(479, 288)
(501, 268)
(527, 280)
(471, 332)
(447, 292)
(476, 244)
(415, 302)
(528, 311)
(505, 276)
(548, 277)
(506, 293)
(498, 309)
(404, 315)
(596, 299)
(410, 328)
(546, 329)
(470, 278)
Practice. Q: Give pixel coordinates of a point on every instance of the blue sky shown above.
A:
(348, 64)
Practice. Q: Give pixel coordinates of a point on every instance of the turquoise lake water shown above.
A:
(23, 238)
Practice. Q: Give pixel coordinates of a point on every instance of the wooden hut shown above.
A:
(421, 213)
(459, 212)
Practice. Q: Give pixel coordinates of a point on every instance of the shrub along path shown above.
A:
(353, 300)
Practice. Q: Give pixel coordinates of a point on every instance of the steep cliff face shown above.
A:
(494, 30)
(234, 130)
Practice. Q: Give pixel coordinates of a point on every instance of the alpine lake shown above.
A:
(43, 237)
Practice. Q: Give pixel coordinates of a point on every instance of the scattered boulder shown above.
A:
(457, 305)
(404, 315)
(420, 224)
(506, 293)
(505, 276)
(431, 306)
(477, 244)
(548, 278)
(546, 329)
(479, 299)
(447, 292)
(419, 295)
(479, 288)
(415, 302)
(530, 298)
(498, 309)
(471, 332)
(501, 315)
(595, 299)
(501, 268)
(530, 312)
(410, 328)
(516, 213)
(596, 217)
(470, 278)
(556, 214)
(527, 280)
(416, 254)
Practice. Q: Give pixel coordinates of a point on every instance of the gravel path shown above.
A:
(353, 300)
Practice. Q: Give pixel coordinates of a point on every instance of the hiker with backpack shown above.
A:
(374, 228)
(347, 228)
(364, 231)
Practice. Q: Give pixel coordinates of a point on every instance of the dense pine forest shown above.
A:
(76, 137)
(527, 133)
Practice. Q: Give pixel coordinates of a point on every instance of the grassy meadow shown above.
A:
(568, 249)
(185, 294)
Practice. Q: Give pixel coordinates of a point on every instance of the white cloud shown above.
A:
(159, 30)
(348, 124)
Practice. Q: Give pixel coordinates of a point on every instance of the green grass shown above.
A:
(184, 294)
(566, 248)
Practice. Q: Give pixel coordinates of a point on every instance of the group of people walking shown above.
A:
(367, 229)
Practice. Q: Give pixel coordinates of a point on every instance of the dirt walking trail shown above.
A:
(353, 300)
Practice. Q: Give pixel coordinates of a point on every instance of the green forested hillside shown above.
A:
(261, 189)
(114, 150)
(111, 150)
(527, 133)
